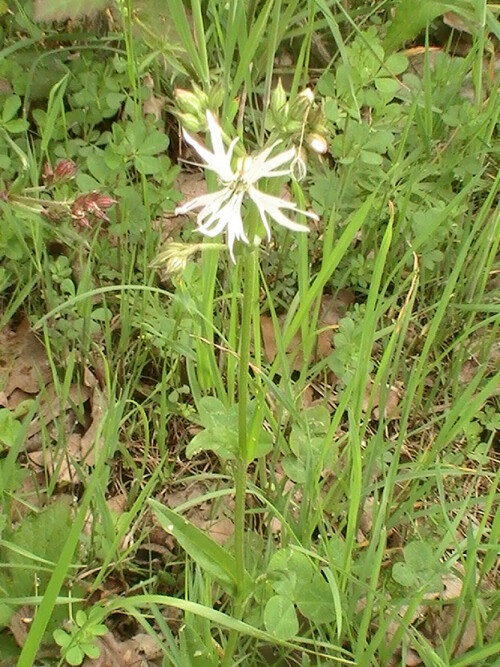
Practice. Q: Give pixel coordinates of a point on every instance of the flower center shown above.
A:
(241, 182)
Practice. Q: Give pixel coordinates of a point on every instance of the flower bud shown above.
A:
(192, 123)
(317, 143)
(278, 100)
(301, 104)
(191, 102)
(64, 170)
(174, 258)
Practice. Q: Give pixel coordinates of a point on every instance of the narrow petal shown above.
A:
(203, 152)
(217, 161)
(270, 201)
(211, 200)
(261, 167)
(235, 232)
(271, 206)
(223, 159)
(216, 138)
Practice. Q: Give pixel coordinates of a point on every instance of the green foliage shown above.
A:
(206, 553)
(79, 640)
(220, 430)
(10, 428)
(407, 190)
(307, 444)
(59, 10)
(299, 584)
(29, 553)
(420, 569)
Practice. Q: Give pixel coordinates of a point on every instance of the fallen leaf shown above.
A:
(20, 622)
(220, 530)
(23, 361)
(116, 653)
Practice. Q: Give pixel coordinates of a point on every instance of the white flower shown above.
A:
(221, 210)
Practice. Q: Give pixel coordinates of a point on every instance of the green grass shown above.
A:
(357, 486)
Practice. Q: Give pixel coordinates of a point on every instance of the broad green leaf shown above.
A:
(221, 430)
(206, 441)
(387, 86)
(294, 469)
(59, 10)
(74, 656)
(195, 652)
(61, 637)
(201, 548)
(91, 650)
(396, 63)
(419, 556)
(147, 164)
(403, 575)
(10, 428)
(10, 107)
(32, 549)
(280, 618)
(314, 599)
(154, 143)
(410, 19)
(369, 157)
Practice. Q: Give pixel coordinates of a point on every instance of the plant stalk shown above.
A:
(250, 280)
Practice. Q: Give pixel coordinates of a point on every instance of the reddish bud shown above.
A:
(64, 170)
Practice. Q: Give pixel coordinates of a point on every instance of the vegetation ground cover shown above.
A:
(285, 454)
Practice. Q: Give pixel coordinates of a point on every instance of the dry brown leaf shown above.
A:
(19, 624)
(147, 646)
(51, 407)
(23, 361)
(412, 658)
(91, 441)
(468, 371)
(60, 462)
(220, 530)
(191, 184)
(29, 495)
(456, 22)
(333, 307)
(78, 448)
(154, 106)
(371, 401)
(5, 87)
(270, 347)
(116, 653)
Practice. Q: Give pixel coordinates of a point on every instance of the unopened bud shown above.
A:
(189, 102)
(192, 123)
(64, 170)
(278, 99)
(301, 104)
(175, 257)
(317, 143)
(94, 203)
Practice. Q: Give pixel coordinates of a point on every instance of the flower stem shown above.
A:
(250, 284)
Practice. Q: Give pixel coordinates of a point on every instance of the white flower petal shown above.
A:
(218, 161)
(216, 137)
(211, 199)
(261, 167)
(221, 211)
(271, 206)
(270, 201)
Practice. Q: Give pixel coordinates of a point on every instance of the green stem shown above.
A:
(240, 478)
